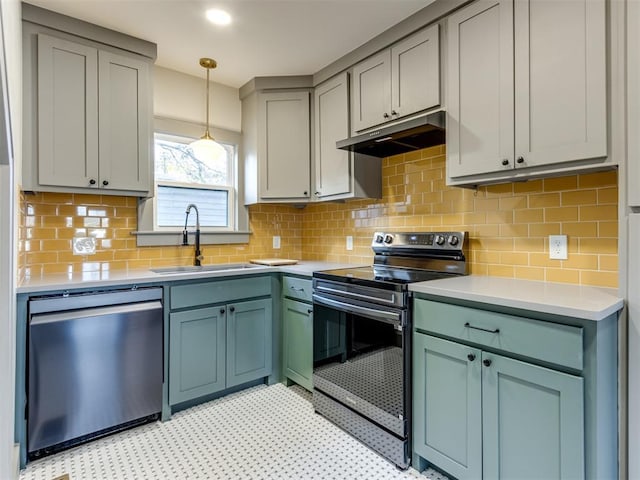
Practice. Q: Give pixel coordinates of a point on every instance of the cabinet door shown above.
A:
(447, 405)
(533, 425)
(197, 353)
(560, 73)
(124, 122)
(333, 166)
(297, 319)
(371, 92)
(480, 89)
(415, 73)
(633, 103)
(284, 145)
(249, 336)
(67, 113)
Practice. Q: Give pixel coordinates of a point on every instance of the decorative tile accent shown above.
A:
(260, 433)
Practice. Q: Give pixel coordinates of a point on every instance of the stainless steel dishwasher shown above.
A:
(95, 365)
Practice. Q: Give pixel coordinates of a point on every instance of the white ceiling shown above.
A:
(266, 37)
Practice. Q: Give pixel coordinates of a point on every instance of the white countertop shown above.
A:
(590, 303)
(107, 278)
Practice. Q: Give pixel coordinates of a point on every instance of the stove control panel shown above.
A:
(421, 240)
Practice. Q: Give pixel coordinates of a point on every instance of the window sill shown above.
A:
(158, 239)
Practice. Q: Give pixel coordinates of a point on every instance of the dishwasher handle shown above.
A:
(44, 318)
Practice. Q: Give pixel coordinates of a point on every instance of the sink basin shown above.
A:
(204, 268)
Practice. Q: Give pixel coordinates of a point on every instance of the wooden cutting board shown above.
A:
(274, 261)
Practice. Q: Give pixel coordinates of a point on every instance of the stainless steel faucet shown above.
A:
(185, 235)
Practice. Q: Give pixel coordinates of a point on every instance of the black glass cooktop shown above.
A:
(374, 274)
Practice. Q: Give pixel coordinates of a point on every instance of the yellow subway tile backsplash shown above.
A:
(508, 225)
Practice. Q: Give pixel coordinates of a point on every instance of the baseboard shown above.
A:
(16, 461)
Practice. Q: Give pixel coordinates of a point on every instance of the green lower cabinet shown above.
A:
(483, 415)
(533, 425)
(249, 332)
(197, 353)
(297, 320)
(214, 348)
(447, 389)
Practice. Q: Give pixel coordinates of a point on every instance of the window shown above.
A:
(182, 179)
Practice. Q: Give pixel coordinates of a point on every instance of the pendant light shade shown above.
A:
(206, 149)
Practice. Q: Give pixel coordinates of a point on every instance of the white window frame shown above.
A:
(149, 234)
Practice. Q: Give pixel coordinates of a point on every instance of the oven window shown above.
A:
(361, 356)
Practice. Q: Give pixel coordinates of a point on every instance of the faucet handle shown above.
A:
(199, 257)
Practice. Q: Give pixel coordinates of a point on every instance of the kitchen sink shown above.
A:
(204, 268)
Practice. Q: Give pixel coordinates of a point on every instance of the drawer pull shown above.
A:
(296, 289)
(310, 311)
(468, 325)
(471, 357)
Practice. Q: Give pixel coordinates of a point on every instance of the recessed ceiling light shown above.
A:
(218, 17)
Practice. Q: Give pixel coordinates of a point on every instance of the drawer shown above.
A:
(219, 291)
(546, 341)
(298, 288)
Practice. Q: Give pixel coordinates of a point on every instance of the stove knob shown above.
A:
(379, 239)
(388, 239)
(439, 240)
(453, 240)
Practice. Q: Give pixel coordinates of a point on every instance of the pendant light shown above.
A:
(206, 149)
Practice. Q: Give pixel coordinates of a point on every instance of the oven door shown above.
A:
(361, 359)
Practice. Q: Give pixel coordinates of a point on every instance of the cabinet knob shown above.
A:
(105, 182)
(486, 362)
(520, 160)
(92, 181)
(393, 112)
(471, 357)
(232, 309)
(310, 311)
(386, 115)
(505, 162)
(317, 193)
(305, 193)
(222, 311)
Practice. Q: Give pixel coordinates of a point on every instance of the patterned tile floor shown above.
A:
(259, 433)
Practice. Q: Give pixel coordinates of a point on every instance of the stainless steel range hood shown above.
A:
(414, 134)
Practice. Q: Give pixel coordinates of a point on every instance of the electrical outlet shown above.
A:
(349, 242)
(558, 247)
(276, 241)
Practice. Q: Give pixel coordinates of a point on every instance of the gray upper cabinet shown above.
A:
(526, 89)
(277, 146)
(633, 102)
(87, 117)
(339, 174)
(399, 81)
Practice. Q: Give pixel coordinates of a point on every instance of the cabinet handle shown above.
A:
(232, 309)
(520, 160)
(505, 162)
(386, 115)
(486, 362)
(471, 357)
(222, 311)
(105, 182)
(92, 182)
(468, 325)
(310, 311)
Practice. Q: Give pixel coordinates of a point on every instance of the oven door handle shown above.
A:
(353, 294)
(394, 318)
